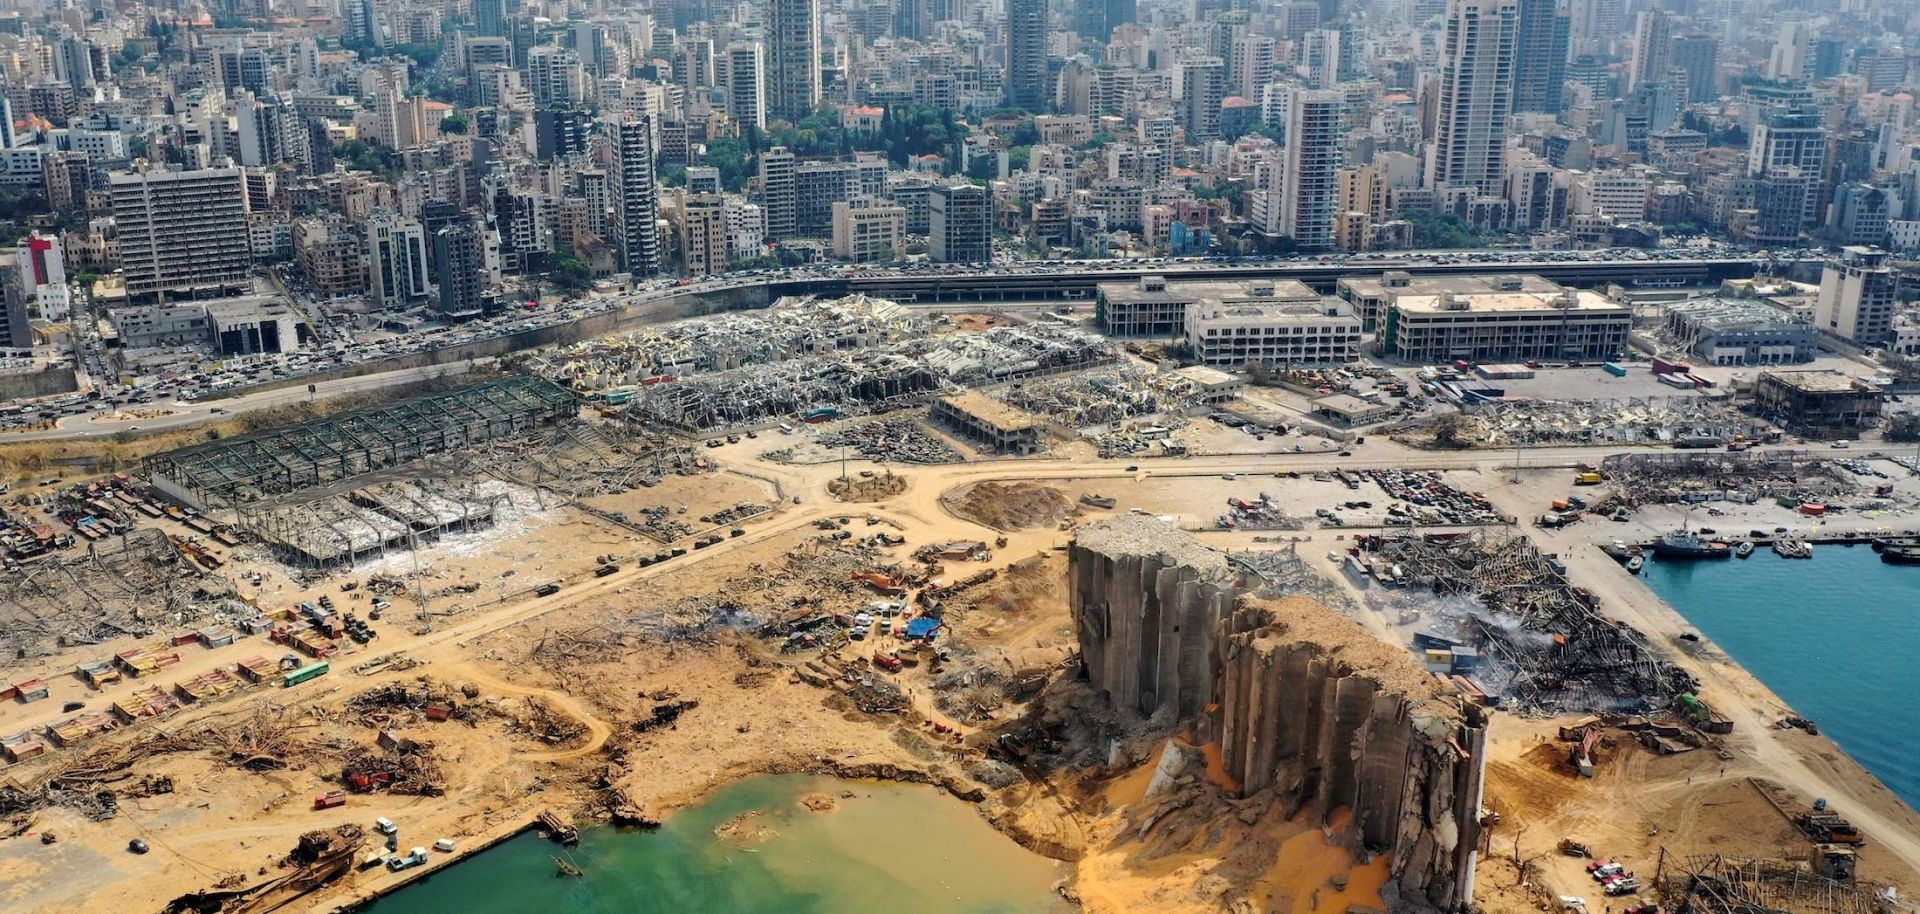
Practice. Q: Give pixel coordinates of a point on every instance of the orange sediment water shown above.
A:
(1301, 875)
(1216, 762)
(1131, 788)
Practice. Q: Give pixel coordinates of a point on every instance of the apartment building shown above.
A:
(182, 233)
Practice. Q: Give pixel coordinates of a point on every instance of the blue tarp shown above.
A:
(922, 628)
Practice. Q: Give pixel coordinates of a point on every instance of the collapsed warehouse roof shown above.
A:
(868, 378)
(747, 395)
(1110, 395)
(1547, 645)
(235, 471)
(792, 328)
(133, 585)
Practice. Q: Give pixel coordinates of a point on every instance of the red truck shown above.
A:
(330, 799)
(887, 661)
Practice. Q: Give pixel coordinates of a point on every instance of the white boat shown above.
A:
(1744, 549)
(1635, 564)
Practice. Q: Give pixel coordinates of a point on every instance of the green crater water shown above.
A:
(888, 849)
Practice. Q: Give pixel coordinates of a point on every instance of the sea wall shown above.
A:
(1145, 599)
(1318, 710)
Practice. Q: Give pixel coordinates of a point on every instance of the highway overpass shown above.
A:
(1076, 282)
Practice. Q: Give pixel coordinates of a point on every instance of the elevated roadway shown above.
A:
(1075, 282)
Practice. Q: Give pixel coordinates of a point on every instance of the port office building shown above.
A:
(1370, 295)
(1734, 331)
(1816, 400)
(1154, 307)
(1504, 323)
(1233, 335)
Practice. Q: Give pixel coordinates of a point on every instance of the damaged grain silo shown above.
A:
(1146, 597)
(1315, 708)
(1307, 707)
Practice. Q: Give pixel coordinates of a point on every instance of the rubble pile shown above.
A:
(1281, 572)
(899, 439)
(874, 695)
(1107, 396)
(578, 460)
(793, 327)
(400, 704)
(139, 584)
(407, 769)
(540, 721)
(1638, 420)
(667, 709)
(870, 379)
(1702, 476)
(804, 592)
(658, 522)
(729, 516)
(1543, 644)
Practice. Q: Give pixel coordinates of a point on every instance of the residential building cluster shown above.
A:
(401, 161)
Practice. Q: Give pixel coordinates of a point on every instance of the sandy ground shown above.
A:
(752, 717)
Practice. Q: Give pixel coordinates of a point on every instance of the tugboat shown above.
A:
(1883, 543)
(1684, 544)
(1744, 549)
(1901, 555)
(1636, 563)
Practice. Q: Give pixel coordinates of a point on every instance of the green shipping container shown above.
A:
(310, 671)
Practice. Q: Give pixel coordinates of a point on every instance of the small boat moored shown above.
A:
(1635, 564)
(1793, 549)
(1743, 549)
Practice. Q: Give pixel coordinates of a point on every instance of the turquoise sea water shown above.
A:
(1836, 636)
(889, 848)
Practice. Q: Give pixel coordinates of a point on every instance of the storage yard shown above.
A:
(657, 563)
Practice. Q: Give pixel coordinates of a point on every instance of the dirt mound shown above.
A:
(867, 487)
(818, 802)
(1011, 506)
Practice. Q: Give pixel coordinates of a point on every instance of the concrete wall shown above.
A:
(1305, 704)
(1146, 598)
(53, 379)
(1313, 707)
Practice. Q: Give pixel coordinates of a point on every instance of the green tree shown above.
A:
(1904, 427)
(568, 274)
(1442, 230)
(454, 123)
